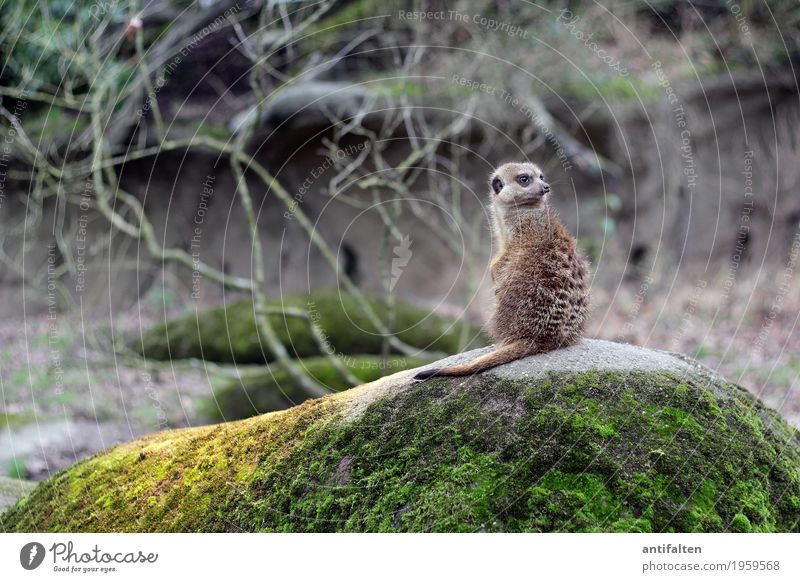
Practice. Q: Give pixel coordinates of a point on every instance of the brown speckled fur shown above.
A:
(541, 292)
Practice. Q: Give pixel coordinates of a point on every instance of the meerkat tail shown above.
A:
(502, 355)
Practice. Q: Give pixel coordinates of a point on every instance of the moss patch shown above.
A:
(14, 419)
(229, 334)
(596, 451)
(258, 390)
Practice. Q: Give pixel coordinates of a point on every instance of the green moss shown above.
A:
(201, 128)
(14, 419)
(704, 516)
(581, 500)
(229, 334)
(258, 389)
(740, 523)
(16, 469)
(329, 28)
(595, 451)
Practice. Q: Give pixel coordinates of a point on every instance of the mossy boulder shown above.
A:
(229, 334)
(596, 437)
(253, 390)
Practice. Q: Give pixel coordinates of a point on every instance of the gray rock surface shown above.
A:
(43, 448)
(312, 104)
(588, 354)
(13, 489)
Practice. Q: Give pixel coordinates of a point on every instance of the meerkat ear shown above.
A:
(496, 184)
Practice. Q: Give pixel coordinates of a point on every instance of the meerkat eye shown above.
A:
(497, 185)
(541, 176)
(523, 180)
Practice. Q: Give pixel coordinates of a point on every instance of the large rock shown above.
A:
(253, 390)
(596, 437)
(314, 104)
(229, 334)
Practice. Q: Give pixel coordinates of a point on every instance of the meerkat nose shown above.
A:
(546, 188)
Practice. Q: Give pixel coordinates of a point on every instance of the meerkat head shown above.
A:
(518, 184)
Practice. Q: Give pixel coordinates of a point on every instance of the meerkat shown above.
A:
(541, 293)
